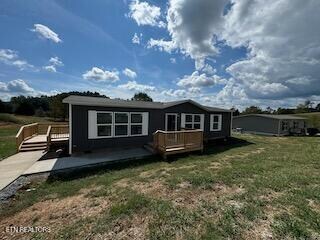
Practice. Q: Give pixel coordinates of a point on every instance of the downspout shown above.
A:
(70, 128)
(279, 128)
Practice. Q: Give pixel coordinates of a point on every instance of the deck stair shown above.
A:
(35, 137)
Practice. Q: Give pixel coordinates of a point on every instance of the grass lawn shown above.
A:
(9, 127)
(258, 188)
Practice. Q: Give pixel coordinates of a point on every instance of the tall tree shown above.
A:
(141, 96)
(318, 107)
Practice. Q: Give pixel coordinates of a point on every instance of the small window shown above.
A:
(104, 124)
(215, 122)
(284, 126)
(295, 124)
(136, 118)
(121, 130)
(104, 131)
(136, 124)
(193, 121)
(104, 118)
(121, 117)
(136, 129)
(121, 124)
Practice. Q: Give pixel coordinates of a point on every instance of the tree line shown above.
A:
(51, 106)
(305, 107)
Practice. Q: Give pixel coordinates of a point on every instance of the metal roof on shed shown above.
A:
(274, 116)
(106, 102)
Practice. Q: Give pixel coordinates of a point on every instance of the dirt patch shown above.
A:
(185, 195)
(55, 213)
(164, 171)
(133, 228)
(224, 161)
(314, 206)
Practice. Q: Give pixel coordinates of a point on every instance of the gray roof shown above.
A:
(106, 102)
(275, 116)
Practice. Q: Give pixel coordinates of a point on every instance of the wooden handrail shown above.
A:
(25, 132)
(48, 137)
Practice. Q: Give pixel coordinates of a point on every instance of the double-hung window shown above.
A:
(215, 122)
(193, 121)
(136, 121)
(104, 124)
(121, 124)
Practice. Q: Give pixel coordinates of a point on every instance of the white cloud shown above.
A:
(54, 63)
(208, 69)
(11, 57)
(45, 32)
(283, 60)
(101, 75)
(200, 80)
(129, 73)
(134, 86)
(192, 24)
(173, 60)
(162, 45)
(145, 14)
(14, 88)
(136, 39)
(50, 68)
(178, 93)
(20, 87)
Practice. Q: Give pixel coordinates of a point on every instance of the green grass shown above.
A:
(9, 127)
(256, 187)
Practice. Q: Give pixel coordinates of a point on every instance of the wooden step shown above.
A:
(22, 149)
(34, 145)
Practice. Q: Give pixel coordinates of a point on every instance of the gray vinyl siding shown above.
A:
(256, 124)
(81, 142)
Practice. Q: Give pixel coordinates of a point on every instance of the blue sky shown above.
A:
(90, 44)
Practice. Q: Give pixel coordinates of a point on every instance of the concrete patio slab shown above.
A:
(82, 160)
(15, 165)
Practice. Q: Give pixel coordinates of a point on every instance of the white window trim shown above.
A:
(144, 124)
(219, 122)
(183, 125)
(104, 124)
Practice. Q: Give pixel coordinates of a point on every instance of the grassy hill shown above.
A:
(313, 119)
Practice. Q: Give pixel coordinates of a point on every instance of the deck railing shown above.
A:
(26, 132)
(170, 142)
(51, 131)
(57, 132)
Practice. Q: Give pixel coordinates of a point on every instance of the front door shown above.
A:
(171, 122)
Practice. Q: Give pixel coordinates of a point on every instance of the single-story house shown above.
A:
(97, 122)
(270, 124)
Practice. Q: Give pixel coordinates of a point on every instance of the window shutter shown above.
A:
(220, 122)
(202, 122)
(183, 120)
(211, 122)
(92, 124)
(145, 123)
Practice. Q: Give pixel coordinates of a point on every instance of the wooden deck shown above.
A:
(34, 137)
(173, 142)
